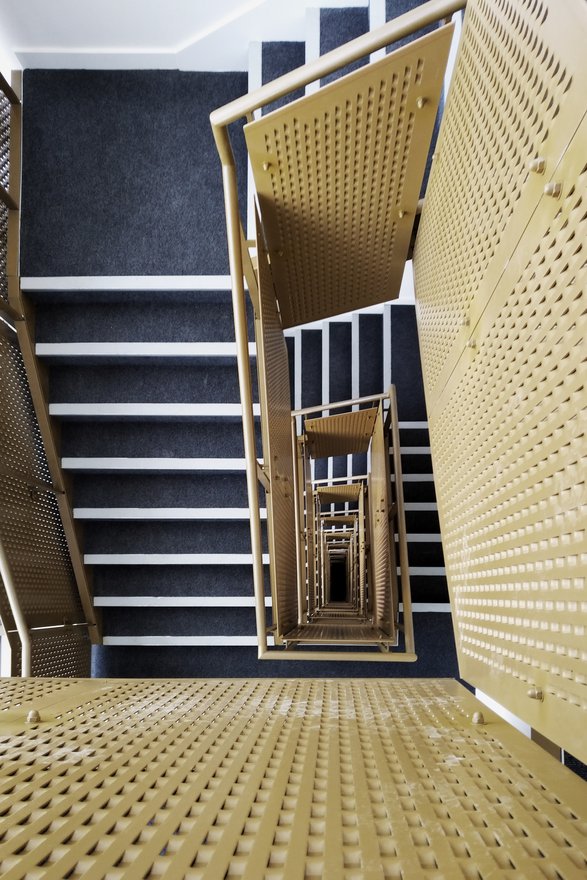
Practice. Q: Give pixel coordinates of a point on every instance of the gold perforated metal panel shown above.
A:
(341, 434)
(337, 494)
(515, 98)
(275, 402)
(507, 425)
(382, 549)
(338, 176)
(276, 780)
(31, 531)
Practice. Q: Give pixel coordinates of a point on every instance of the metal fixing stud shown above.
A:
(33, 717)
(401, 213)
(536, 693)
(267, 166)
(537, 165)
(465, 321)
(471, 343)
(553, 189)
(421, 101)
(478, 718)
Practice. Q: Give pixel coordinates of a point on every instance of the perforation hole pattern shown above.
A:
(507, 90)
(510, 465)
(332, 172)
(261, 779)
(276, 425)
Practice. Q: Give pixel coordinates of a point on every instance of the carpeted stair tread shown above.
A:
(151, 383)
(203, 439)
(145, 321)
(168, 537)
(179, 621)
(175, 580)
(278, 58)
(338, 26)
(160, 490)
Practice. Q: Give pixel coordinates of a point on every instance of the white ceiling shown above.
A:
(188, 34)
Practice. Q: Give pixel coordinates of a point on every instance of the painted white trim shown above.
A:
(415, 478)
(387, 372)
(185, 641)
(504, 713)
(413, 426)
(153, 464)
(146, 410)
(221, 283)
(424, 538)
(325, 328)
(141, 349)
(177, 601)
(312, 29)
(165, 513)
(426, 571)
(429, 607)
(376, 19)
(415, 450)
(226, 602)
(171, 559)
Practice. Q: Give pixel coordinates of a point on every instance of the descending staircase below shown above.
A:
(142, 381)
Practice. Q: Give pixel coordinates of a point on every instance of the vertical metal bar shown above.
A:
(299, 519)
(20, 622)
(233, 231)
(401, 524)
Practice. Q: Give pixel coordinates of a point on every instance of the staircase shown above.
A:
(124, 261)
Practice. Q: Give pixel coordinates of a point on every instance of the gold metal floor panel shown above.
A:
(284, 778)
(330, 632)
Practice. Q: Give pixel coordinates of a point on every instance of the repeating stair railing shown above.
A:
(303, 272)
(45, 596)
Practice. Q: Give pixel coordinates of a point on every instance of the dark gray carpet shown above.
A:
(120, 172)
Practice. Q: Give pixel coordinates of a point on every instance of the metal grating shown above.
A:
(341, 434)
(513, 99)
(275, 780)
(274, 391)
(338, 176)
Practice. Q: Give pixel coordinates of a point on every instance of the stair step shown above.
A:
(168, 411)
(202, 438)
(176, 580)
(278, 58)
(220, 559)
(152, 465)
(208, 353)
(178, 601)
(148, 384)
(161, 490)
(165, 513)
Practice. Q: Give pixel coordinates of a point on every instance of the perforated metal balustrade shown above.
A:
(500, 268)
(40, 606)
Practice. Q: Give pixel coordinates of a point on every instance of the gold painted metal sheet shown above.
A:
(338, 632)
(338, 176)
(341, 434)
(275, 405)
(357, 779)
(507, 424)
(382, 549)
(516, 97)
(339, 493)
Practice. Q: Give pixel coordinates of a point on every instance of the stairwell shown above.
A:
(124, 260)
